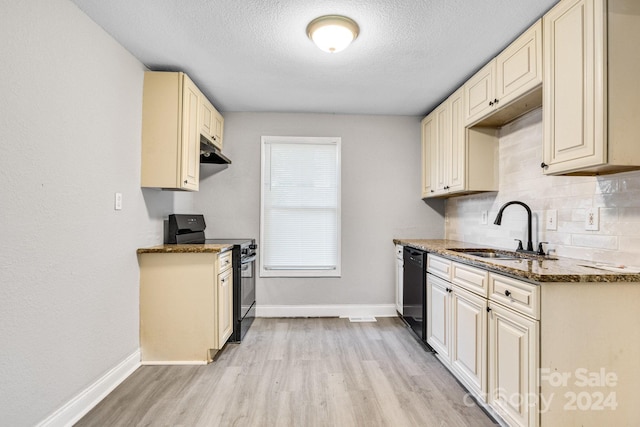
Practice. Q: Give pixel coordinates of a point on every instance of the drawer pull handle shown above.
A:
(507, 293)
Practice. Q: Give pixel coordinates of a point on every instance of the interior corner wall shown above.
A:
(70, 124)
(381, 173)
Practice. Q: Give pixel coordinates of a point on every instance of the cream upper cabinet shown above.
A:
(170, 132)
(591, 89)
(519, 66)
(457, 160)
(443, 141)
(479, 94)
(429, 156)
(218, 129)
(207, 124)
(512, 76)
(455, 154)
(211, 123)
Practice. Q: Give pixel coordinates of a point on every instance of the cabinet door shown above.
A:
(456, 154)
(207, 125)
(574, 84)
(190, 161)
(469, 339)
(513, 362)
(443, 135)
(225, 306)
(438, 312)
(479, 94)
(429, 151)
(519, 66)
(399, 283)
(218, 129)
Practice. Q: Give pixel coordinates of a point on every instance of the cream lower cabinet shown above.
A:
(439, 317)
(538, 354)
(399, 279)
(170, 132)
(186, 303)
(225, 305)
(591, 91)
(469, 339)
(457, 323)
(513, 366)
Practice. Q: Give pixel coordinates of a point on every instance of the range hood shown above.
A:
(209, 153)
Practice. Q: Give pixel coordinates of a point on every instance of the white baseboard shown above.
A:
(336, 310)
(82, 403)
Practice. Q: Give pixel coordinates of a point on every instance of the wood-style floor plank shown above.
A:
(299, 372)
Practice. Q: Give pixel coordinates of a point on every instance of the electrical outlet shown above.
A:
(552, 219)
(592, 219)
(118, 202)
(483, 217)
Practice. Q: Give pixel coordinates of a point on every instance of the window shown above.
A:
(300, 207)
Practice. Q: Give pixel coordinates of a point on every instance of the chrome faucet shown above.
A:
(498, 221)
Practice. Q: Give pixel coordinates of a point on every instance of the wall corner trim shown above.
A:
(83, 402)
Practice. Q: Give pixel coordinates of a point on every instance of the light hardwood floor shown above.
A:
(299, 372)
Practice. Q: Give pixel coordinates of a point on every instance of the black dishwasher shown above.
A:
(414, 290)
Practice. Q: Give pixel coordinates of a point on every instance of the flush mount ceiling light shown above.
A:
(332, 33)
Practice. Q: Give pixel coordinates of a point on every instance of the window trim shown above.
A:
(337, 272)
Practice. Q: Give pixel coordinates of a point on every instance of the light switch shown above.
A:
(552, 219)
(118, 202)
(483, 218)
(592, 219)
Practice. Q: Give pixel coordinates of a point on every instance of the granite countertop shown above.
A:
(185, 248)
(559, 269)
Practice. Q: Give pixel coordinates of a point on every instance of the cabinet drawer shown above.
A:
(520, 296)
(438, 266)
(224, 261)
(471, 278)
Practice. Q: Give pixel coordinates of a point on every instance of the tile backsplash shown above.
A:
(615, 198)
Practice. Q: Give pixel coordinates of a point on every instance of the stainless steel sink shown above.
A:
(499, 254)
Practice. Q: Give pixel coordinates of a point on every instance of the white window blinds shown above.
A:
(300, 218)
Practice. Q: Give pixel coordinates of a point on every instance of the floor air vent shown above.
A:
(362, 319)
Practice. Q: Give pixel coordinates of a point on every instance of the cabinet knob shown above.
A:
(186, 182)
(543, 165)
(488, 309)
(495, 101)
(507, 293)
(433, 191)
(490, 103)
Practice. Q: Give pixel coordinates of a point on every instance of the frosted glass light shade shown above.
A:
(332, 33)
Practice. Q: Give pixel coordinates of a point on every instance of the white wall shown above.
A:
(617, 197)
(381, 173)
(70, 111)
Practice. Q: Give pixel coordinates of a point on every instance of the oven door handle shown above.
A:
(248, 259)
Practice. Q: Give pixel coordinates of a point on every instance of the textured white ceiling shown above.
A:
(254, 55)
